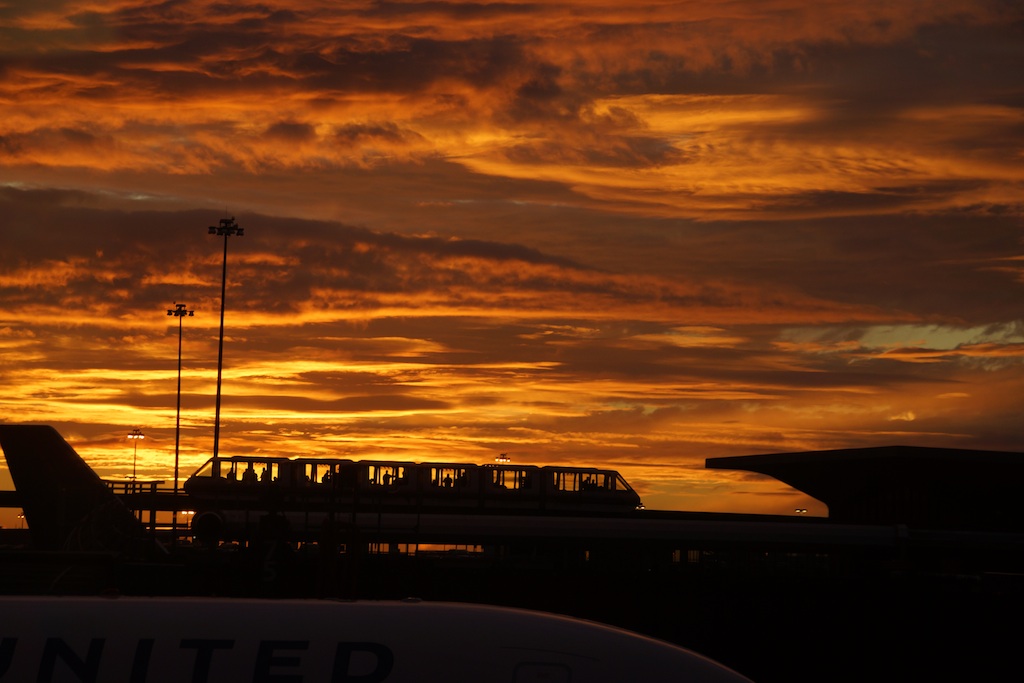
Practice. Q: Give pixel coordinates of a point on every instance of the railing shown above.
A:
(129, 486)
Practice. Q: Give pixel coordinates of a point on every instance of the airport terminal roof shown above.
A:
(945, 488)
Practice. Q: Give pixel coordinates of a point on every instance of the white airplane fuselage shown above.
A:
(196, 640)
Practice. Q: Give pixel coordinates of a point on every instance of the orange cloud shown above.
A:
(638, 234)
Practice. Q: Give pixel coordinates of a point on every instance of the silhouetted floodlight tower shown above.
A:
(135, 436)
(179, 311)
(502, 458)
(227, 228)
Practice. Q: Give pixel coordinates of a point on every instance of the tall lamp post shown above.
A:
(135, 436)
(226, 228)
(179, 311)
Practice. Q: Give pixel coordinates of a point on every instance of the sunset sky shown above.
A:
(633, 235)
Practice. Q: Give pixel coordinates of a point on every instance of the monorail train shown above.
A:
(228, 493)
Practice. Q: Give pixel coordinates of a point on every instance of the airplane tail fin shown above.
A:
(65, 503)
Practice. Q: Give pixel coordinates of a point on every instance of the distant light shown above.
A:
(135, 436)
(227, 227)
(180, 310)
(800, 511)
(503, 457)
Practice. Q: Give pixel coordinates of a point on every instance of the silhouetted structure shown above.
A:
(226, 228)
(923, 488)
(913, 577)
(66, 504)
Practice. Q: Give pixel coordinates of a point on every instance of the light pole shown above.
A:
(227, 228)
(179, 311)
(135, 436)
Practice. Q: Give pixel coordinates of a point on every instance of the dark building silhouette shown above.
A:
(914, 575)
(922, 488)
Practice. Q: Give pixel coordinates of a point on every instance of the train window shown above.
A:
(232, 472)
(246, 472)
(321, 473)
(205, 471)
(334, 473)
(386, 475)
(586, 480)
(307, 473)
(448, 477)
(250, 471)
(267, 471)
(511, 479)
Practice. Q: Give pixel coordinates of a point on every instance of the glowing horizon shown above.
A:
(629, 236)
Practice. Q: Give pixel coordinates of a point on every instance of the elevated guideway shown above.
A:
(705, 530)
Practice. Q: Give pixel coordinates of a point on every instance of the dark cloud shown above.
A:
(385, 131)
(624, 151)
(353, 404)
(638, 235)
(291, 131)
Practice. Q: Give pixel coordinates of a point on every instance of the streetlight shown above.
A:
(135, 436)
(227, 227)
(179, 311)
